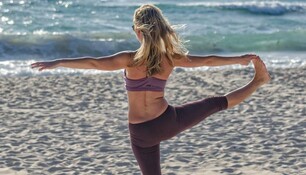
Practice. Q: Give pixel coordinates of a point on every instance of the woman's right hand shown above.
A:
(45, 65)
(246, 59)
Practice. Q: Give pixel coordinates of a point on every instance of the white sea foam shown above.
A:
(46, 30)
(262, 7)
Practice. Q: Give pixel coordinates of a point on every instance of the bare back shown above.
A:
(146, 105)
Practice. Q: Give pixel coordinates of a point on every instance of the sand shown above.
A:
(77, 124)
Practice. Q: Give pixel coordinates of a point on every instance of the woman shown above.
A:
(146, 70)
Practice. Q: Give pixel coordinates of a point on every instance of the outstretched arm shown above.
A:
(198, 61)
(113, 62)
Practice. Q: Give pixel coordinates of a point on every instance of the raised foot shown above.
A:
(262, 75)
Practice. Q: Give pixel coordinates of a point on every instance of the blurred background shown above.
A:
(32, 30)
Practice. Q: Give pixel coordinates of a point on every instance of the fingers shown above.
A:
(34, 65)
(39, 65)
(259, 61)
(257, 58)
(251, 56)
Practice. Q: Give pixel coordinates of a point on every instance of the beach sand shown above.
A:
(77, 124)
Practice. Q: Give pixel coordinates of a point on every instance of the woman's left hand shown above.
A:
(45, 65)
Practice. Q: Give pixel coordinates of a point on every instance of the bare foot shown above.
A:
(261, 73)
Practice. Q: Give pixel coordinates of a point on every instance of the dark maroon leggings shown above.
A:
(146, 136)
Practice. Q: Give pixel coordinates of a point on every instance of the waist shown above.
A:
(140, 112)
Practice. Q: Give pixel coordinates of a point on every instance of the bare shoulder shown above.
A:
(181, 61)
(128, 54)
(116, 61)
(125, 56)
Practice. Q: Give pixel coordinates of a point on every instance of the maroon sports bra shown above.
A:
(144, 84)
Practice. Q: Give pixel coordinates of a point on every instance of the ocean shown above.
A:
(35, 30)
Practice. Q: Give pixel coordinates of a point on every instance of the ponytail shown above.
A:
(159, 38)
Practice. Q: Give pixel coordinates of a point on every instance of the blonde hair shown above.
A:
(159, 38)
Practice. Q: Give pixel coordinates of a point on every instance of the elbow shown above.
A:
(209, 62)
(93, 63)
(206, 61)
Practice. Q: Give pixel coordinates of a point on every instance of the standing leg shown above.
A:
(261, 77)
(148, 159)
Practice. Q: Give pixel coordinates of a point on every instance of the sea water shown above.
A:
(36, 30)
